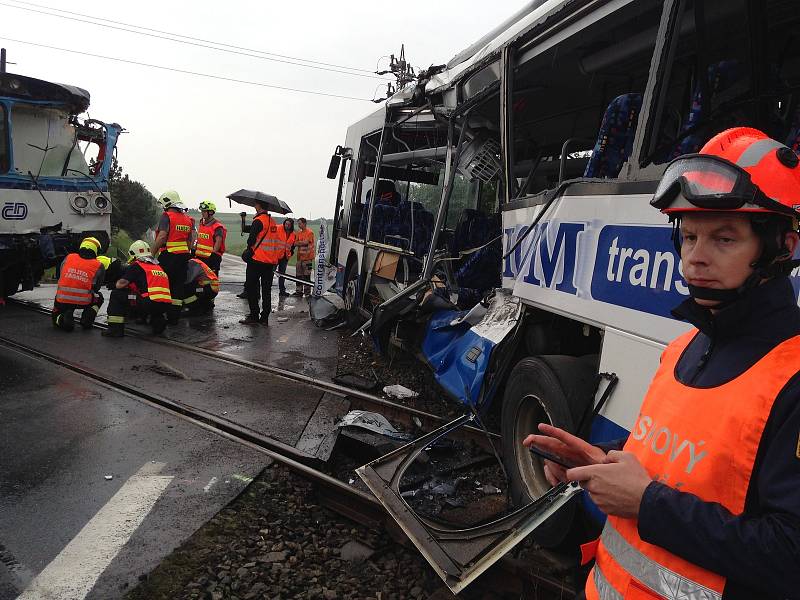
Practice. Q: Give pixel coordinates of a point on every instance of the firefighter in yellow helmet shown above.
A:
(142, 289)
(211, 236)
(79, 282)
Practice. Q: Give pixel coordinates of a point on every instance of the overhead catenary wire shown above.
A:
(186, 71)
(192, 41)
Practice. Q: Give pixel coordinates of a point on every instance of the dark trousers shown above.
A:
(258, 281)
(121, 306)
(174, 266)
(214, 261)
(202, 300)
(63, 314)
(282, 269)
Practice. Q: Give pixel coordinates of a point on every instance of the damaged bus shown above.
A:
(545, 279)
(54, 169)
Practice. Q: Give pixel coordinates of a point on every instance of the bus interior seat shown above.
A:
(385, 212)
(480, 271)
(413, 228)
(615, 137)
(721, 76)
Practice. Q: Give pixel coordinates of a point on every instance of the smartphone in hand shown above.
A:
(551, 457)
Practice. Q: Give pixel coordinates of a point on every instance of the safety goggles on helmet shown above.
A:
(708, 182)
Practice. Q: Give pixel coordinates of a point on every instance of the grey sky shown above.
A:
(206, 138)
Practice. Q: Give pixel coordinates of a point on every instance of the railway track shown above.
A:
(509, 574)
(359, 399)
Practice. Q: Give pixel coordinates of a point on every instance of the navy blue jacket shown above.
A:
(759, 551)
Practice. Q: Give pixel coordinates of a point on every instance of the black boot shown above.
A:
(64, 321)
(158, 323)
(115, 330)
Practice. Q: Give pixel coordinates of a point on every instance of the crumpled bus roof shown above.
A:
(534, 13)
(37, 90)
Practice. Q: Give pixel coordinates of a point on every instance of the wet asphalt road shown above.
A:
(61, 434)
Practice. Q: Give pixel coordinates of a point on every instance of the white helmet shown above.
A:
(170, 199)
(139, 249)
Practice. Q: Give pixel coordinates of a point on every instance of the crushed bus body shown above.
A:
(54, 169)
(493, 219)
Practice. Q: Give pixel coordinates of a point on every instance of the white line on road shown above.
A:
(209, 484)
(73, 573)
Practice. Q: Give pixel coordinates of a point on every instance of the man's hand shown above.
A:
(617, 486)
(571, 448)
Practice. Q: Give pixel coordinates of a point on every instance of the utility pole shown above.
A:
(2, 60)
(402, 71)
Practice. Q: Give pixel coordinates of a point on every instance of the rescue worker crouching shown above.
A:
(703, 501)
(142, 290)
(211, 236)
(82, 275)
(174, 239)
(204, 284)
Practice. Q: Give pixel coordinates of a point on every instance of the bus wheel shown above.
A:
(351, 296)
(549, 389)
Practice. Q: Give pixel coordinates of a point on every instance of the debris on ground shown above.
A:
(405, 370)
(109, 477)
(399, 391)
(372, 421)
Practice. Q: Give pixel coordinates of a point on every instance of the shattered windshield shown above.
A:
(45, 144)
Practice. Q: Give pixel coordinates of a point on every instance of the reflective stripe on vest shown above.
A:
(205, 239)
(208, 277)
(271, 242)
(703, 441)
(75, 281)
(180, 228)
(157, 283)
(308, 252)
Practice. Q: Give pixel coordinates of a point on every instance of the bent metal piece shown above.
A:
(459, 556)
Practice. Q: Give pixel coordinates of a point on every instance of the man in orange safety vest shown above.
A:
(703, 500)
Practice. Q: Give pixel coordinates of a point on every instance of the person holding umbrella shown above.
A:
(266, 245)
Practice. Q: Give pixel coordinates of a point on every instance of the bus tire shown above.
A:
(553, 389)
(350, 292)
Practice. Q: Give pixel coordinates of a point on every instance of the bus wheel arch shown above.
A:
(556, 389)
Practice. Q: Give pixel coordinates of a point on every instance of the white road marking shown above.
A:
(72, 574)
(241, 477)
(209, 484)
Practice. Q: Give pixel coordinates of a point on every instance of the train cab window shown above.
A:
(4, 142)
(45, 142)
(579, 94)
(734, 63)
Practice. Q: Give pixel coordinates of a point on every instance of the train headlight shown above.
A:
(80, 203)
(101, 203)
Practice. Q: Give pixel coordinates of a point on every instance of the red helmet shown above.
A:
(741, 169)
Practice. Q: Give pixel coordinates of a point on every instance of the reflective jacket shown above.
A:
(202, 275)
(77, 280)
(180, 229)
(205, 239)
(703, 441)
(270, 246)
(290, 239)
(157, 283)
(307, 253)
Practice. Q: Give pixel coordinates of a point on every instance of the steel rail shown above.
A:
(508, 573)
(404, 414)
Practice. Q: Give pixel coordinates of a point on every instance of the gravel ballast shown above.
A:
(275, 542)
